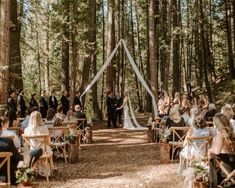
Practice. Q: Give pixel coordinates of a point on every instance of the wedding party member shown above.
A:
(118, 104)
(77, 99)
(11, 105)
(5, 132)
(65, 102)
(43, 104)
(21, 107)
(111, 109)
(33, 102)
(53, 103)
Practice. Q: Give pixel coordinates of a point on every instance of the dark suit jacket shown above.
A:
(33, 103)
(43, 106)
(53, 103)
(11, 104)
(110, 104)
(80, 115)
(65, 104)
(77, 100)
(7, 145)
(21, 105)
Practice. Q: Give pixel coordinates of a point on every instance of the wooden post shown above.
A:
(151, 132)
(73, 150)
(199, 184)
(88, 135)
(165, 152)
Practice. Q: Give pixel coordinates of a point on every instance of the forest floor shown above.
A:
(116, 158)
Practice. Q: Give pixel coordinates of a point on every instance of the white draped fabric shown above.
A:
(136, 70)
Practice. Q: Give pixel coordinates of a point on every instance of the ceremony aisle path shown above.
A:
(117, 158)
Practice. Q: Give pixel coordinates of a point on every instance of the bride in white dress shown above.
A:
(127, 120)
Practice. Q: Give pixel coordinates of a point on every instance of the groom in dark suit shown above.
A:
(111, 109)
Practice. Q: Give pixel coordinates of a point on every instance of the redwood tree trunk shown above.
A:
(4, 50)
(110, 43)
(152, 48)
(65, 49)
(15, 76)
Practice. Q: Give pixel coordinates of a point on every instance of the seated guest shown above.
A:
(79, 114)
(35, 128)
(175, 119)
(196, 149)
(5, 132)
(70, 117)
(211, 111)
(185, 109)
(194, 111)
(59, 113)
(232, 121)
(25, 123)
(223, 145)
(50, 118)
(6, 145)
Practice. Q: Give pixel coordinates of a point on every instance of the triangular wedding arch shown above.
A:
(135, 68)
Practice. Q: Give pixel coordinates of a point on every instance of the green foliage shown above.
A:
(24, 175)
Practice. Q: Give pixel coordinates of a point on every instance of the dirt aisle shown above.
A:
(117, 158)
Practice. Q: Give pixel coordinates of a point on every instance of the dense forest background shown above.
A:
(178, 45)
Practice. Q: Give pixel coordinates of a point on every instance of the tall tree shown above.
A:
(65, 46)
(110, 43)
(176, 48)
(4, 51)
(229, 40)
(16, 80)
(152, 48)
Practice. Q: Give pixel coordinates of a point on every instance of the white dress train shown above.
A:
(127, 120)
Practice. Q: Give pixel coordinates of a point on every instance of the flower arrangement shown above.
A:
(72, 138)
(164, 134)
(196, 172)
(25, 176)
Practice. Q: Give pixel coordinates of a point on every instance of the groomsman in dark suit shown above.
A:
(65, 102)
(43, 104)
(11, 105)
(53, 103)
(111, 109)
(21, 107)
(77, 99)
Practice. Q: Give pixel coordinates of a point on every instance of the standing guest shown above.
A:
(33, 102)
(111, 109)
(12, 109)
(21, 107)
(118, 104)
(53, 101)
(65, 102)
(77, 99)
(43, 104)
(5, 132)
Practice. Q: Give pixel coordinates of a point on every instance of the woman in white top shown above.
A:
(36, 128)
(5, 132)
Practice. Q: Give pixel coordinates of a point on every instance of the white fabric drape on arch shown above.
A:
(135, 68)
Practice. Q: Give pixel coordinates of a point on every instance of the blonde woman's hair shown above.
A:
(174, 114)
(222, 123)
(35, 121)
(228, 112)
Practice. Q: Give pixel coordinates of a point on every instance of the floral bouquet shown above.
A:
(25, 176)
(196, 172)
(164, 134)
